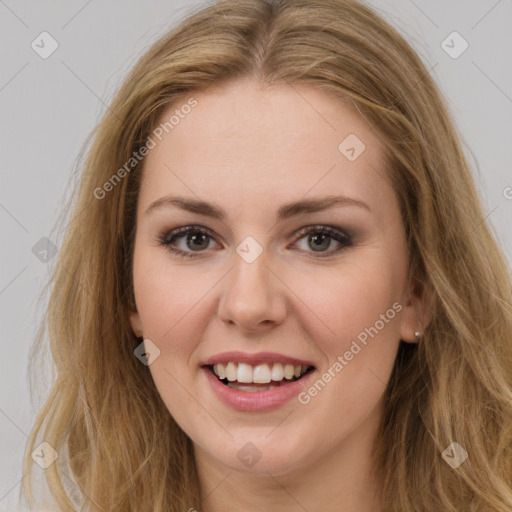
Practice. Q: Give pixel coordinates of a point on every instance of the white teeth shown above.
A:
(218, 369)
(259, 374)
(289, 371)
(244, 373)
(277, 372)
(231, 371)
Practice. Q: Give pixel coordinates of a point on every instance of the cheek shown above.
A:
(170, 300)
(341, 305)
(354, 320)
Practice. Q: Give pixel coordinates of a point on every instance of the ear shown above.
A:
(136, 323)
(417, 301)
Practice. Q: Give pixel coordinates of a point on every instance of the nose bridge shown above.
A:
(252, 295)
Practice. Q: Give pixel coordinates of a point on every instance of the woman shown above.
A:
(278, 290)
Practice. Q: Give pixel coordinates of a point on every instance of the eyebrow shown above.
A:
(286, 211)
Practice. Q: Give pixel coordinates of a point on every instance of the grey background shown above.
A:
(49, 107)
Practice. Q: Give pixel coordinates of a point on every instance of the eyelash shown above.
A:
(167, 239)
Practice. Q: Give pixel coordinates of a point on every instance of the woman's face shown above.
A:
(276, 276)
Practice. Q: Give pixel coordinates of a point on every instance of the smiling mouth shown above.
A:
(261, 377)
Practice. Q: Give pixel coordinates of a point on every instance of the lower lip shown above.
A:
(253, 401)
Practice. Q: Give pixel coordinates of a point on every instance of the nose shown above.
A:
(253, 297)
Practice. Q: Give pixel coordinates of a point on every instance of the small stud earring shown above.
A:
(417, 334)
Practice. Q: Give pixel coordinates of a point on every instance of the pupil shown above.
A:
(194, 239)
(323, 238)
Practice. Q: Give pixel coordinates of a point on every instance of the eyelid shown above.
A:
(323, 228)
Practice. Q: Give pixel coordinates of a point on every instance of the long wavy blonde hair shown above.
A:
(119, 449)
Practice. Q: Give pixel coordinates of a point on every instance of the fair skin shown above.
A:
(251, 150)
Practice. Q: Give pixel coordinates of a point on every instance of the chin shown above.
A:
(261, 454)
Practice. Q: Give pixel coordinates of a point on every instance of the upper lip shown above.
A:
(255, 358)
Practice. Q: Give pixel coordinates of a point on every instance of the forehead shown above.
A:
(244, 144)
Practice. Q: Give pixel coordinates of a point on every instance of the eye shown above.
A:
(319, 238)
(197, 240)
